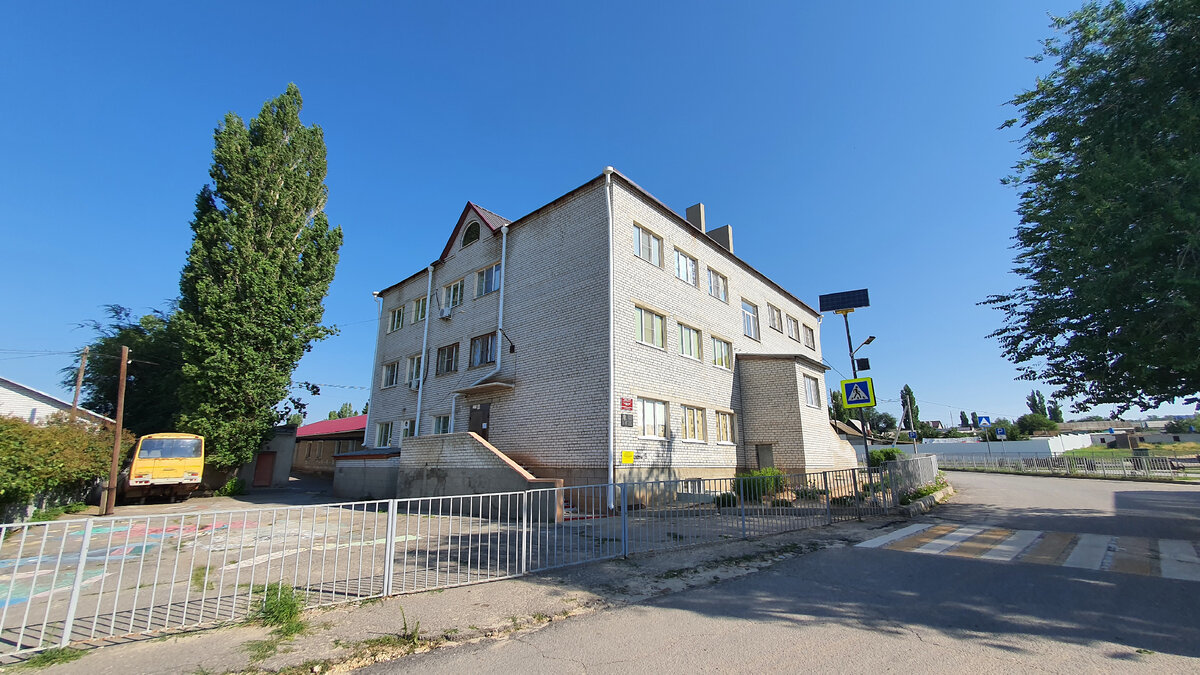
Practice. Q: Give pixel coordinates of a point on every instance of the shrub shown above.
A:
(233, 488)
(754, 485)
(781, 502)
(281, 608)
(809, 492)
(725, 500)
(36, 459)
(878, 457)
(925, 490)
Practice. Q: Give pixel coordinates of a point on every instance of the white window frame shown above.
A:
(722, 353)
(479, 344)
(720, 289)
(725, 427)
(658, 328)
(452, 294)
(812, 392)
(647, 245)
(420, 307)
(810, 337)
(414, 370)
(467, 230)
(654, 420)
(487, 280)
(396, 319)
(694, 428)
(441, 424)
(442, 367)
(793, 326)
(774, 317)
(390, 375)
(407, 427)
(383, 435)
(686, 268)
(690, 341)
(750, 320)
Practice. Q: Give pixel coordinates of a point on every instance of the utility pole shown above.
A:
(79, 383)
(862, 415)
(111, 501)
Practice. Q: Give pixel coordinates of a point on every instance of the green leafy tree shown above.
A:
(974, 421)
(1036, 403)
(1054, 411)
(1012, 431)
(152, 375)
(881, 422)
(1035, 422)
(260, 265)
(837, 409)
(911, 417)
(1108, 243)
(962, 419)
(365, 405)
(347, 410)
(295, 419)
(1183, 426)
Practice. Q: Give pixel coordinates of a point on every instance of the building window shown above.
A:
(685, 267)
(693, 424)
(406, 428)
(810, 337)
(750, 319)
(722, 353)
(689, 342)
(724, 427)
(774, 317)
(793, 328)
(812, 392)
(391, 373)
(483, 349)
(453, 294)
(419, 307)
(654, 417)
(447, 359)
(718, 285)
(651, 328)
(383, 435)
(647, 246)
(441, 424)
(412, 374)
(487, 280)
(471, 235)
(396, 319)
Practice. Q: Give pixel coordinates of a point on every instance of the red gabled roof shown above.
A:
(493, 221)
(356, 423)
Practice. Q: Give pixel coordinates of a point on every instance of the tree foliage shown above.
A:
(1109, 240)
(295, 419)
(152, 376)
(262, 258)
(1183, 426)
(911, 416)
(1036, 403)
(837, 409)
(962, 419)
(347, 410)
(1035, 422)
(1054, 411)
(1011, 431)
(37, 459)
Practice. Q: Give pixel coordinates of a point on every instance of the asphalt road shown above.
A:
(868, 609)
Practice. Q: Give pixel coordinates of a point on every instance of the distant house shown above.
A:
(35, 407)
(317, 443)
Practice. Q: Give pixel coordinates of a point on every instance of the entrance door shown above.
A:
(264, 468)
(766, 456)
(481, 413)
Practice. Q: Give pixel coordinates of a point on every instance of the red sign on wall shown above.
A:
(626, 403)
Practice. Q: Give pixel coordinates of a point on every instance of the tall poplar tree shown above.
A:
(262, 258)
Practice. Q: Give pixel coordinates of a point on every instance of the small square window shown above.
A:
(487, 280)
(775, 317)
(441, 424)
(718, 285)
(689, 342)
(812, 392)
(452, 295)
(383, 435)
(722, 353)
(447, 359)
(685, 267)
(654, 417)
(793, 328)
(693, 424)
(647, 246)
(414, 372)
(407, 427)
(651, 328)
(810, 337)
(396, 319)
(724, 427)
(419, 307)
(750, 319)
(391, 374)
(483, 349)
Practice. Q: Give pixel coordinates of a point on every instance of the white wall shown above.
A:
(1055, 445)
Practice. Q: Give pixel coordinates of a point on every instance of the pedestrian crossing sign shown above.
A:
(858, 393)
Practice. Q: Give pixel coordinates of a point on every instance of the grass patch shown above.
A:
(280, 609)
(235, 487)
(1156, 450)
(200, 580)
(52, 657)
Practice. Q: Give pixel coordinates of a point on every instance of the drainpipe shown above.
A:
(453, 409)
(374, 371)
(612, 382)
(500, 319)
(424, 342)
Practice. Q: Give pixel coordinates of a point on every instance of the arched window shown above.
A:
(471, 235)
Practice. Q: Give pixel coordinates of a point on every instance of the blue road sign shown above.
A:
(984, 421)
(912, 435)
(1001, 432)
(858, 393)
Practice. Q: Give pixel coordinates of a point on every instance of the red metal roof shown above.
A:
(356, 423)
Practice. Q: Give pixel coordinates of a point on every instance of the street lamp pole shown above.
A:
(862, 415)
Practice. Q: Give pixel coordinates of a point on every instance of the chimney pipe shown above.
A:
(695, 216)
(723, 236)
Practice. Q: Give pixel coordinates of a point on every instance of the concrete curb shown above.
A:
(925, 504)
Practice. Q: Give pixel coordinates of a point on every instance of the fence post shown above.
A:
(389, 563)
(524, 532)
(69, 622)
(624, 520)
(737, 489)
(858, 494)
(828, 509)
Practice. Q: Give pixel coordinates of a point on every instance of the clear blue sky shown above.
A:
(857, 137)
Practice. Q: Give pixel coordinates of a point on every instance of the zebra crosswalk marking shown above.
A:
(1179, 559)
(893, 536)
(980, 544)
(1089, 552)
(917, 541)
(1050, 549)
(956, 537)
(1013, 546)
(1135, 555)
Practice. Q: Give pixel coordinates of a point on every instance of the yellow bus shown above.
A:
(168, 465)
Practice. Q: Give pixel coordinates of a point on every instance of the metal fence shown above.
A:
(1105, 467)
(106, 578)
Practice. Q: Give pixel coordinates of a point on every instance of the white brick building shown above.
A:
(603, 332)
